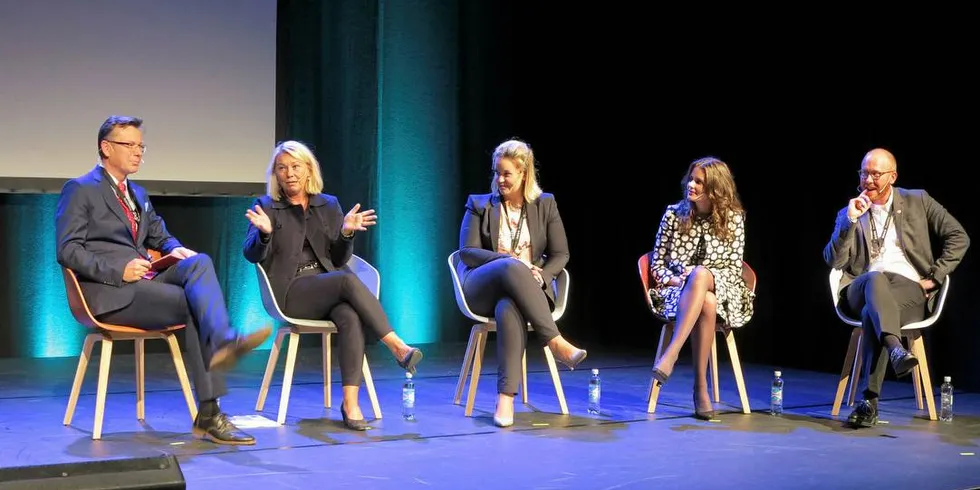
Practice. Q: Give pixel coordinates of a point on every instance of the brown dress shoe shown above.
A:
(220, 430)
(227, 355)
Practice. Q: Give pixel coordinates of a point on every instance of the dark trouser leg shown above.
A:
(315, 296)
(484, 286)
(195, 275)
(350, 343)
(886, 301)
(511, 342)
(157, 305)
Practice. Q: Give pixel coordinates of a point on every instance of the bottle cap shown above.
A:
(595, 371)
(408, 375)
(779, 373)
(947, 379)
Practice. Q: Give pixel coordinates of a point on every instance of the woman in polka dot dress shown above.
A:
(696, 270)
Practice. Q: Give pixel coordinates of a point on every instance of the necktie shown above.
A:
(129, 212)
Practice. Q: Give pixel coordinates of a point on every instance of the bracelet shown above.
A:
(347, 236)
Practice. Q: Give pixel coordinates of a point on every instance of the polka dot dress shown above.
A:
(673, 251)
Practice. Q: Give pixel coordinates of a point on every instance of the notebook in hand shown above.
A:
(164, 262)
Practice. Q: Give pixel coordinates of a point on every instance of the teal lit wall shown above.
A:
(35, 320)
(417, 163)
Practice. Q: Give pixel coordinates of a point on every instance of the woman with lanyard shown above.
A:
(512, 245)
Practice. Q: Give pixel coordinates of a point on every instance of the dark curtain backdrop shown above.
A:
(615, 106)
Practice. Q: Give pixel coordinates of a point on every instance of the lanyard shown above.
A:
(878, 242)
(515, 236)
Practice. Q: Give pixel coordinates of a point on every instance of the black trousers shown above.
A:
(505, 290)
(343, 299)
(187, 292)
(885, 301)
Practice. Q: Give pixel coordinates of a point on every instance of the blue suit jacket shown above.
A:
(95, 241)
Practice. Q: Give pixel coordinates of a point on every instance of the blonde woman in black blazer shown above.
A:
(512, 245)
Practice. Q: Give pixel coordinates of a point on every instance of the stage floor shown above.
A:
(622, 448)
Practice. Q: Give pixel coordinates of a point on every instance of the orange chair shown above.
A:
(108, 334)
(667, 332)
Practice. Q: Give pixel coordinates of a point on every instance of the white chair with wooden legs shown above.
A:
(294, 327)
(853, 359)
(108, 334)
(473, 359)
(667, 333)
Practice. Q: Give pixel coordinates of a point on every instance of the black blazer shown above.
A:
(94, 238)
(279, 252)
(481, 222)
(916, 217)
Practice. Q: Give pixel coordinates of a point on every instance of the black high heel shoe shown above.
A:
(409, 361)
(699, 414)
(352, 424)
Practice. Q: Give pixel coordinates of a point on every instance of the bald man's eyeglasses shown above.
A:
(874, 175)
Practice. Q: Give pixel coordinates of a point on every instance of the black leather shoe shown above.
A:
(353, 424)
(865, 414)
(409, 362)
(902, 361)
(220, 430)
(228, 353)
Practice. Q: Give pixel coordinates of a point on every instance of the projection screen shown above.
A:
(201, 73)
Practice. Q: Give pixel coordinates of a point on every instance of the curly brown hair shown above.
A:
(719, 186)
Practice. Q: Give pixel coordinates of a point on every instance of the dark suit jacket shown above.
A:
(481, 222)
(279, 252)
(94, 238)
(917, 217)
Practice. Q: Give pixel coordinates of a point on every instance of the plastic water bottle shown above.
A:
(946, 391)
(776, 395)
(595, 392)
(408, 398)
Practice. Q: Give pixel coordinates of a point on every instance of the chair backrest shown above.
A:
(563, 283)
(76, 301)
(364, 271)
(835, 278)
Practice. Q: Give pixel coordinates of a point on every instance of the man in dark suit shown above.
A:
(105, 226)
(890, 272)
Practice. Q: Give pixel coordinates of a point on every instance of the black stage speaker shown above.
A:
(161, 472)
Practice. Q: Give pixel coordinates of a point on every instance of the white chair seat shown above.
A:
(473, 358)
(853, 359)
(294, 327)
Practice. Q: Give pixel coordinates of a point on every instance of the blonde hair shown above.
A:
(523, 157)
(299, 151)
(719, 186)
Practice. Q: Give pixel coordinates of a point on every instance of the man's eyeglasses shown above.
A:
(874, 175)
(131, 145)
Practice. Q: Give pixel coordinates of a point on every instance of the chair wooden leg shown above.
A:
(737, 368)
(105, 359)
(917, 386)
(140, 377)
(845, 373)
(666, 333)
(369, 382)
(475, 372)
(524, 377)
(185, 384)
(76, 386)
(327, 398)
(287, 379)
(464, 371)
(556, 379)
(713, 364)
(918, 350)
(270, 368)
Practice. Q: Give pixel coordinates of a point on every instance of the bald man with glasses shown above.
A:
(882, 241)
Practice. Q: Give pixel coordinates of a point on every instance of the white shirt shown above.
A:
(126, 196)
(891, 258)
